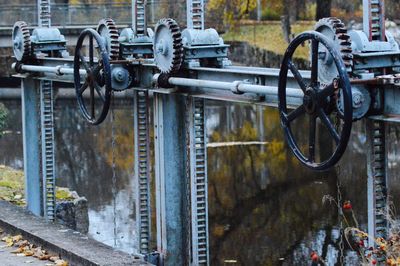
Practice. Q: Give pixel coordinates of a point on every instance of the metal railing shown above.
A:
(90, 14)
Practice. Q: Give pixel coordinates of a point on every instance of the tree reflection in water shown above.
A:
(264, 206)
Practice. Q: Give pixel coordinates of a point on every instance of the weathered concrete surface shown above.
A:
(72, 246)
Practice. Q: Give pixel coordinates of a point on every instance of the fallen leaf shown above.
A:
(28, 253)
(18, 250)
(18, 197)
(44, 257)
(54, 258)
(17, 238)
(61, 263)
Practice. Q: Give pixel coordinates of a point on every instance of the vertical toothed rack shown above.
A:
(47, 128)
(142, 140)
(374, 28)
(197, 158)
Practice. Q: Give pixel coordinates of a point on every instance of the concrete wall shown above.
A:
(248, 55)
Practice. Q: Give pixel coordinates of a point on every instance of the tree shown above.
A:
(233, 10)
(323, 9)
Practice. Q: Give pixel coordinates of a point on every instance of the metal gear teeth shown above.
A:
(26, 39)
(113, 33)
(340, 30)
(177, 45)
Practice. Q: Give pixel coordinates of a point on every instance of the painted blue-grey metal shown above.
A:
(377, 189)
(47, 141)
(51, 40)
(169, 137)
(206, 73)
(195, 14)
(198, 182)
(142, 169)
(31, 140)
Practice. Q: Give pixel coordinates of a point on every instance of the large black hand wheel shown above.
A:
(317, 103)
(97, 76)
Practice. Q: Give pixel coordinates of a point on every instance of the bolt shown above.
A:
(358, 99)
(119, 75)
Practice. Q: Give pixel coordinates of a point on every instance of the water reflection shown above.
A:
(265, 209)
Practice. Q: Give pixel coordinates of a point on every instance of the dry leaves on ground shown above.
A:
(26, 249)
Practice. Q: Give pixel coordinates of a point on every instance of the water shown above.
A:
(265, 208)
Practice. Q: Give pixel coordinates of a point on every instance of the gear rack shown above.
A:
(353, 75)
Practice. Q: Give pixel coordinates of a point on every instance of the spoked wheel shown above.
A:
(317, 103)
(96, 84)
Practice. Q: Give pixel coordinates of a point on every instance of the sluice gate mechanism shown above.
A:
(353, 75)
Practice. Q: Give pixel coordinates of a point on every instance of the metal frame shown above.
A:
(176, 225)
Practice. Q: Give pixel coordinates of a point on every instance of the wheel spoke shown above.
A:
(91, 51)
(83, 88)
(85, 65)
(327, 91)
(297, 76)
(311, 143)
(314, 62)
(98, 90)
(327, 122)
(92, 103)
(295, 113)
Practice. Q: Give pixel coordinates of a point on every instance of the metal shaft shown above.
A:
(238, 87)
(142, 169)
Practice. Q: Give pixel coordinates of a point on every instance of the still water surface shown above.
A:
(264, 208)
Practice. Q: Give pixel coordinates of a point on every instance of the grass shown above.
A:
(269, 36)
(12, 185)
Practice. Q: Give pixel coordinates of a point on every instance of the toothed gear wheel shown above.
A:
(334, 29)
(21, 41)
(167, 46)
(108, 31)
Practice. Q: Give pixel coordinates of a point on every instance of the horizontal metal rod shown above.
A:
(53, 69)
(235, 87)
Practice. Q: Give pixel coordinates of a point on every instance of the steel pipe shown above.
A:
(59, 70)
(235, 87)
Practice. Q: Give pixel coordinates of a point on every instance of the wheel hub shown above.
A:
(310, 100)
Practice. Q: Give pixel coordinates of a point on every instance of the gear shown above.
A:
(167, 46)
(21, 41)
(334, 29)
(108, 30)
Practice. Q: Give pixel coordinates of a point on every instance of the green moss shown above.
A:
(3, 118)
(63, 194)
(270, 37)
(12, 185)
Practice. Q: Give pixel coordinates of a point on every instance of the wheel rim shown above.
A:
(91, 81)
(313, 102)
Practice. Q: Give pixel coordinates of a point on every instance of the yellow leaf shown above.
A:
(61, 263)
(17, 238)
(28, 253)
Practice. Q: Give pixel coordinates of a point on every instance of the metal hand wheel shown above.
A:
(97, 78)
(316, 102)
